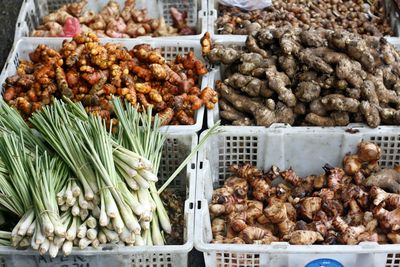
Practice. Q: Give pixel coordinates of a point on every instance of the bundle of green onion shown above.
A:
(78, 184)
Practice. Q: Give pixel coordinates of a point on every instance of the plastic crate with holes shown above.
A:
(306, 150)
(177, 146)
(33, 11)
(169, 48)
(217, 72)
(393, 16)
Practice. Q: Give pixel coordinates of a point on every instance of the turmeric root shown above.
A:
(206, 44)
(209, 97)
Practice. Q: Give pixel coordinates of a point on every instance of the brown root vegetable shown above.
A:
(388, 219)
(332, 208)
(254, 178)
(304, 237)
(263, 115)
(388, 179)
(277, 81)
(227, 56)
(113, 22)
(87, 71)
(308, 207)
(320, 15)
(251, 234)
(327, 78)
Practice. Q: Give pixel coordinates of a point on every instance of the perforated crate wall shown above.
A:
(56, 4)
(237, 259)
(235, 150)
(150, 260)
(390, 147)
(174, 152)
(190, 6)
(393, 260)
(170, 52)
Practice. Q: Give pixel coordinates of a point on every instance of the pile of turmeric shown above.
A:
(87, 71)
(355, 203)
(112, 21)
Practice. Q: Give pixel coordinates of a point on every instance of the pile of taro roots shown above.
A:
(320, 78)
(87, 71)
(359, 202)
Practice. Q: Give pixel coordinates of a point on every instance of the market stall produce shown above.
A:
(358, 16)
(314, 77)
(77, 184)
(85, 70)
(112, 21)
(343, 205)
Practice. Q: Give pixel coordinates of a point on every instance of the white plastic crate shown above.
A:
(217, 72)
(394, 17)
(176, 148)
(32, 12)
(306, 150)
(169, 49)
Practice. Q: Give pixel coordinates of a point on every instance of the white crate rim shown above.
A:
(283, 248)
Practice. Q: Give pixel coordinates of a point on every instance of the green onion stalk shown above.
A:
(48, 176)
(100, 149)
(112, 195)
(5, 238)
(15, 186)
(139, 134)
(12, 121)
(56, 125)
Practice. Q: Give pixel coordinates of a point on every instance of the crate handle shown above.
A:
(199, 204)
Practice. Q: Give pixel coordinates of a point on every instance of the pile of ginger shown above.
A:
(302, 78)
(359, 202)
(111, 21)
(85, 70)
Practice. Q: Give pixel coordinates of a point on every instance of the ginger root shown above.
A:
(262, 114)
(322, 78)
